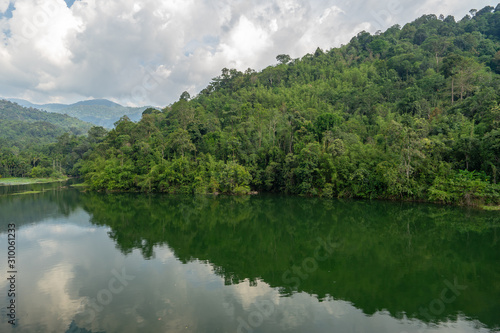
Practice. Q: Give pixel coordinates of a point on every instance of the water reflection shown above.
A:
(26, 204)
(129, 263)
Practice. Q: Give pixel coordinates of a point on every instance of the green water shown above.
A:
(265, 263)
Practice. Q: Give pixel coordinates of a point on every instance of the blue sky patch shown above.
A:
(8, 13)
(69, 2)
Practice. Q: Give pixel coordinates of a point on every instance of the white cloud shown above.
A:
(256, 41)
(148, 52)
(329, 13)
(4, 4)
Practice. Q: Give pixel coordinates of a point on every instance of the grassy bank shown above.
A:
(27, 181)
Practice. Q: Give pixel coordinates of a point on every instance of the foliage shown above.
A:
(408, 114)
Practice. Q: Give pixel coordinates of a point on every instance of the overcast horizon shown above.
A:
(145, 52)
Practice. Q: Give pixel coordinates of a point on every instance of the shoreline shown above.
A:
(31, 181)
(477, 206)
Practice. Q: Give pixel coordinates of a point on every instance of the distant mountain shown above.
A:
(23, 102)
(13, 111)
(21, 126)
(51, 106)
(99, 102)
(101, 112)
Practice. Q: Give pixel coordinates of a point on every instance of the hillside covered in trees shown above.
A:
(411, 113)
(29, 137)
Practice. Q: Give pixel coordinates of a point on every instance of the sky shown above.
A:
(147, 52)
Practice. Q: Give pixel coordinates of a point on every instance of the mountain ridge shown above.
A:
(29, 128)
(100, 112)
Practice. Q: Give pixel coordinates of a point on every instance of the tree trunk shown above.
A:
(452, 90)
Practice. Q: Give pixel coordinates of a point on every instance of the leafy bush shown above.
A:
(465, 188)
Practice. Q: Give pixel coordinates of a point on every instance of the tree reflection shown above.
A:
(386, 256)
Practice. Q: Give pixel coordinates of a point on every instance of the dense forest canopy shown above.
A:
(411, 113)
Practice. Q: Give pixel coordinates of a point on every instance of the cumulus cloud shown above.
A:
(146, 52)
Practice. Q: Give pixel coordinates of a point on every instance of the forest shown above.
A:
(29, 139)
(411, 113)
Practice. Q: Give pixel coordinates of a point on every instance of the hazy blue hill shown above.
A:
(101, 112)
(51, 106)
(104, 114)
(98, 102)
(46, 107)
(23, 102)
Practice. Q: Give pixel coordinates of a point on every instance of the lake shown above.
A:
(89, 262)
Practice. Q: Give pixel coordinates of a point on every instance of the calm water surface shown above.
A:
(159, 263)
